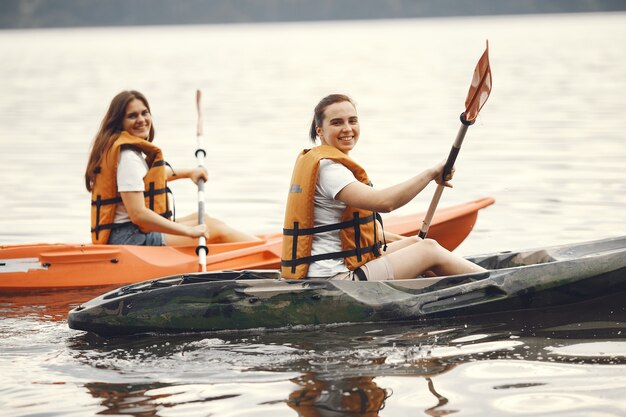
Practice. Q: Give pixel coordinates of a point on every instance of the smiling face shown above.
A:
(137, 119)
(340, 127)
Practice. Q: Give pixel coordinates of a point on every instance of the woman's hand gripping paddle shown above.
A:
(202, 250)
(476, 98)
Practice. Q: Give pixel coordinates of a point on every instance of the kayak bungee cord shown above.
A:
(476, 97)
(202, 250)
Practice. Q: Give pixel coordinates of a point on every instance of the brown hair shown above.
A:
(110, 130)
(318, 113)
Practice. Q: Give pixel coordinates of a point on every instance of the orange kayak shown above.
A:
(45, 266)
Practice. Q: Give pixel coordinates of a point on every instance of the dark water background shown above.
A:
(549, 146)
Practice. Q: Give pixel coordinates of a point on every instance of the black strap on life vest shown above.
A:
(150, 194)
(327, 227)
(359, 274)
(380, 219)
(167, 164)
(358, 251)
(170, 193)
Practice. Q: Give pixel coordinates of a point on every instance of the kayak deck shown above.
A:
(39, 266)
(234, 300)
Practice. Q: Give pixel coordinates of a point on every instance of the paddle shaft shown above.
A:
(476, 97)
(202, 249)
(454, 152)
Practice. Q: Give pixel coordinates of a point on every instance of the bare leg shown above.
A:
(219, 232)
(412, 257)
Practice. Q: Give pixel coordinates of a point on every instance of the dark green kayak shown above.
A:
(232, 300)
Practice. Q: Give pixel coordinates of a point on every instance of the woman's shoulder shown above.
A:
(130, 152)
(330, 166)
(334, 175)
(130, 155)
(327, 162)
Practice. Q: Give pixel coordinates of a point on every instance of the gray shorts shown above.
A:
(129, 234)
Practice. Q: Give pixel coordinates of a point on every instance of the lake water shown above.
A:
(549, 145)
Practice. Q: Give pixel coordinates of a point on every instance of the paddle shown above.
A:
(476, 97)
(202, 250)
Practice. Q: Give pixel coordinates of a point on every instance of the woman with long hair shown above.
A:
(127, 177)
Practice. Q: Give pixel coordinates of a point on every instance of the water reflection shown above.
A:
(355, 396)
(124, 399)
(437, 410)
(52, 304)
(554, 358)
(538, 360)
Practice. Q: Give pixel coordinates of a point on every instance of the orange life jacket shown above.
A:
(104, 196)
(357, 229)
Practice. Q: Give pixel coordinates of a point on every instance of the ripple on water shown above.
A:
(546, 403)
(523, 387)
(605, 349)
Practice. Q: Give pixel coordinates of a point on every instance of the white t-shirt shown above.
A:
(131, 169)
(332, 178)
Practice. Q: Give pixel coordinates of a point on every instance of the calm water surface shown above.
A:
(549, 146)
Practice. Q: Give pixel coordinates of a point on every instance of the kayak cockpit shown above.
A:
(509, 259)
(185, 279)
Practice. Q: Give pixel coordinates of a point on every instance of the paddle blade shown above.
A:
(480, 88)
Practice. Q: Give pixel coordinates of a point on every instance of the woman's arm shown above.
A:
(194, 173)
(149, 220)
(385, 200)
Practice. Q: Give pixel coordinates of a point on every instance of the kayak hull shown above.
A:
(237, 300)
(45, 266)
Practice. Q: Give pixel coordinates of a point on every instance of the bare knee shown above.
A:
(214, 224)
(431, 244)
(421, 246)
(414, 239)
(426, 247)
(435, 252)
